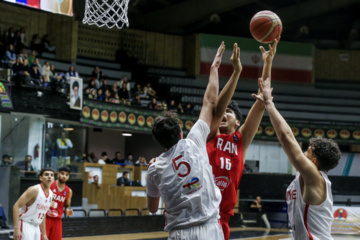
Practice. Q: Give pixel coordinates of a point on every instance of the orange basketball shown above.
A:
(265, 26)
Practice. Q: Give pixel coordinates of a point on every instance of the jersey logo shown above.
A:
(64, 194)
(194, 185)
(222, 182)
(236, 138)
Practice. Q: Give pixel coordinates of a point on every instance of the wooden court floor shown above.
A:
(236, 233)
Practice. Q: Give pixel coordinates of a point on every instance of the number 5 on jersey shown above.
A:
(177, 165)
(226, 163)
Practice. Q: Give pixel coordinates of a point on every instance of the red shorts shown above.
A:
(53, 228)
(224, 222)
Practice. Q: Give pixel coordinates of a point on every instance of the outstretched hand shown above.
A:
(265, 91)
(217, 60)
(235, 58)
(268, 56)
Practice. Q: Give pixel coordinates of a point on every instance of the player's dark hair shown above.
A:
(64, 169)
(235, 107)
(166, 129)
(125, 172)
(46, 169)
(327, 152)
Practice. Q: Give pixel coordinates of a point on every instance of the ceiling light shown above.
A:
(68, 129)
(127, 134)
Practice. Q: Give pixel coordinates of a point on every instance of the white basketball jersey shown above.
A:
(184, 179)
(37, 211)
(309, 221)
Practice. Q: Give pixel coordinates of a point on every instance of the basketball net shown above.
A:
(110, 13)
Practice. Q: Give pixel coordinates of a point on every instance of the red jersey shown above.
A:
(226, 158)
(57, 208)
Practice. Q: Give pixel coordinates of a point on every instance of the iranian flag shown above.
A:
(293, 61)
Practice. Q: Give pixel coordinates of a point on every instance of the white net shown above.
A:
(110, 13)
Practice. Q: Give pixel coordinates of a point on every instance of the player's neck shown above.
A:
(60, 185)
(46, 189)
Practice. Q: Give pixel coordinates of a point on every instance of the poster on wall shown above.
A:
(64, 7)
(94, 171)
(76, 86)
(346, 220)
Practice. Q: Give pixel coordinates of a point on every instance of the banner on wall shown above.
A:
(64, 7)
(4, 97)
(346, 220)
(303, 132)
(293, 61)
(76, 93)
(119, 116)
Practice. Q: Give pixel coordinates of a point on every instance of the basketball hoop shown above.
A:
(110, 13)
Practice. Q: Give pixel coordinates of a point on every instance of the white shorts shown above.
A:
(206, 231)
(29, 231)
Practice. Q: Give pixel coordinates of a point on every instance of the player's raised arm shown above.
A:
(212, 88)
(286, 138)
(226, 93)
(27, 197)
(253, 119)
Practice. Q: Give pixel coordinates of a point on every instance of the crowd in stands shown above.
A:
(23, 59)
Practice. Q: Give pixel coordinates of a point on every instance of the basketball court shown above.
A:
(236, 233)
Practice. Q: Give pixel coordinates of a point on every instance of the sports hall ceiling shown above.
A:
(326, 23)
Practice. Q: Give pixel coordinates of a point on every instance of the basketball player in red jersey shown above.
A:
(62, 198)
(227, 142)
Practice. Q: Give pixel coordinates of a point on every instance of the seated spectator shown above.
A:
(141, 162)
(172, 106)
(57, 80)
(17, 65)
(71, 73)
(23, 53)
(46, 71)
(153, 105)
(124, 94)
(149, 91)
(188, 109)
(86, 92)
(136, 102)
(92, 84)
(139, 89)
(35, 74)
(104, 85)
(23, 73)
(180, 108)
(100, 95)
(6, 160)
(92, 158)
(26, 164)
(108, 97)
(97, 75)
(114, 89)
(96, 181)
(117, 159)
(36, 44)
(92, 94)
(125, 81)
(3, 218)
(47, 45)
(10, 56)
(32, 57)
(129, 160)
(18, 45)
(103, 158)
(124, 180)
(163, 106)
